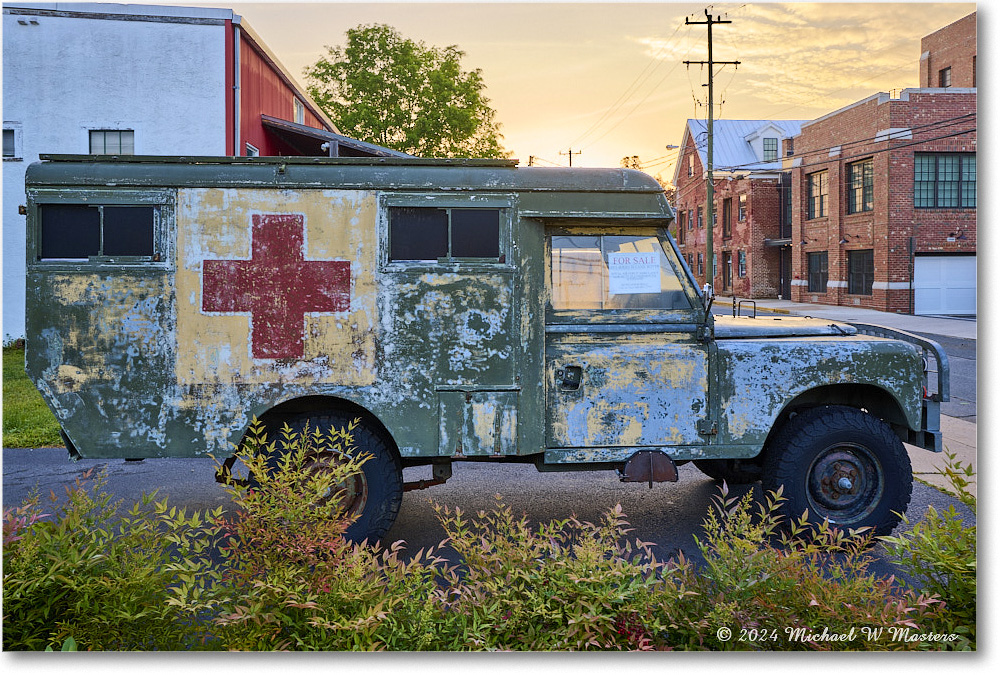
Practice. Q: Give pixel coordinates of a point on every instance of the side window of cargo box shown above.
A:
(98, 232)
(445, 234)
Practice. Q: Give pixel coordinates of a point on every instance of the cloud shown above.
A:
(811, 55)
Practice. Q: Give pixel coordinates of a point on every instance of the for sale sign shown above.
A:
(633, 273)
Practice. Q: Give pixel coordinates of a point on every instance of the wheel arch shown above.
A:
(867, 397)
(329, 404)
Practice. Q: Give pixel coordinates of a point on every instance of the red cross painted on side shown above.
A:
(277, 286)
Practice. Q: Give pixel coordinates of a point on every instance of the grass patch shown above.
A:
(27, 421)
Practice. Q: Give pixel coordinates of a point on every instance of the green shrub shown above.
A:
(800, 589)
(939, 553)
(275, 573)
(289, 578)
(563, 585)
(94, 574)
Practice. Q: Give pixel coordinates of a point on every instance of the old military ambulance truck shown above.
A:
(463, 310)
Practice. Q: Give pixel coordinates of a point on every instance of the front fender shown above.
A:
(759, 378)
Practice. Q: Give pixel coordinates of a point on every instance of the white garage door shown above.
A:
(944, 285)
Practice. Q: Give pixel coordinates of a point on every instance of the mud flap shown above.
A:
(649, 466)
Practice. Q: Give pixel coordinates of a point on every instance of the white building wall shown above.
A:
(64, 75)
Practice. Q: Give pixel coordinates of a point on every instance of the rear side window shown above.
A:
(435, 234)
(84, 231)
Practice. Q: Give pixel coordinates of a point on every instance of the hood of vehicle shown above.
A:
(727, 327)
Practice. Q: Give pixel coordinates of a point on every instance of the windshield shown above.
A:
(613, 272)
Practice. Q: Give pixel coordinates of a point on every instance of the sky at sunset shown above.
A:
(607, 79)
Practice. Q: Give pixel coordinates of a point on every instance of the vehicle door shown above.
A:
(625, 368)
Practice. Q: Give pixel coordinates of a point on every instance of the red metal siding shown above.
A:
(264, 92)
(230, 95)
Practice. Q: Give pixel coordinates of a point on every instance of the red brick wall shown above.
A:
(762, 222)
(934, 121)
(953, 46)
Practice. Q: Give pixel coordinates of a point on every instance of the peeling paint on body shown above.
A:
(275, 285)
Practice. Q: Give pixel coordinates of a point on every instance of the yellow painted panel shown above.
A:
(216, 224)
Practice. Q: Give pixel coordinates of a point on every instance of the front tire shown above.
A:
(842, 465)
(375, 495)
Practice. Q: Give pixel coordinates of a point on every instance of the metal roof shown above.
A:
(308, 140)
(541, 192)
(732, 149)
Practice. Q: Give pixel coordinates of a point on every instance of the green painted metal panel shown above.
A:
(271, 282)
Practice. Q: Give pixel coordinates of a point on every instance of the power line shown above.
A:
(636, 83)
(709, 22)
(571, 153)
(929, 127)
(694, 185)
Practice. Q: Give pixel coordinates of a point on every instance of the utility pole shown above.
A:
(571, 153)
(711, 114)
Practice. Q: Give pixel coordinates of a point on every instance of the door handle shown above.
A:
(569, 378)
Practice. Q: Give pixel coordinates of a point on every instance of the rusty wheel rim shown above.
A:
(352, 493)
(845, 483)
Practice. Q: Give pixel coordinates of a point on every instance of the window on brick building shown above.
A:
(770, 149)
(860, 272)
(741, 262)
(727, 218)
(944, 180)
(743, 208)
(690, 165)
(690, 219)
(701, 264)
(817, 196)
(682, 227)
(861, 186)
(701, 219)
(818, 272)
(944, 77)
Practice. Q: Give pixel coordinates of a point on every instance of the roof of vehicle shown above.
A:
(597, 193)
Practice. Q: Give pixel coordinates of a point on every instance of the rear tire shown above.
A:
(378, 492)
(842, 465)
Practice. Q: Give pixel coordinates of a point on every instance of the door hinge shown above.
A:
(708, 427)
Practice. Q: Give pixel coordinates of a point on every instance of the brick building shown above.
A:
(948, 56)
(884, 194)
(872, 205)
(752, 200)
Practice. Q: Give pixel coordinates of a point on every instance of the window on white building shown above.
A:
(12, 143)
(112, 142)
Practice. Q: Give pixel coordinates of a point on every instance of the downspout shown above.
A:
(236, 86)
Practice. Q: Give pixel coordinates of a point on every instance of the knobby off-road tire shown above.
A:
(377, 493)
(843, 465)
(732, 471)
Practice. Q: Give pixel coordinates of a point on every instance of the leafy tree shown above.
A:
(633, 162)
(390, 90)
